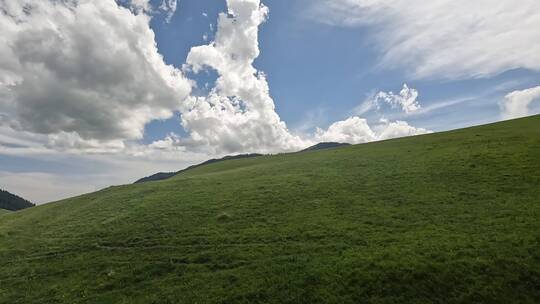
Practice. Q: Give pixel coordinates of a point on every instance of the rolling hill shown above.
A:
(325, 145)
(12, 202)
(166, 175)
(451, 217)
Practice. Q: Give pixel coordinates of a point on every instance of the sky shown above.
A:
(100, 93)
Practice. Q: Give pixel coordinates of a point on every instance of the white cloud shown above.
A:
(238, 115)
(396, 129)
(516, 104)
(356, 130)
(446, 38)
(406, 100)
(169, 7)
(85, 73)
(139, 6)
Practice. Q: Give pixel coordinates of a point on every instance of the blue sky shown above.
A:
(315, 68)
(95, 104)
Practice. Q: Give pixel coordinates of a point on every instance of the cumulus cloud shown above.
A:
(87, 76)
(238, 114)
(406, 100)
(353, 130)
(396, 129)
(84, 73)
(446, 38)
(516, 104)
(356, 130)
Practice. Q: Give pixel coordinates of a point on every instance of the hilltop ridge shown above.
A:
(166, 175)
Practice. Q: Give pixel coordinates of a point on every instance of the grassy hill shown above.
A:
(4, 211)
(325, 145)
(443, 218)
(166, 175)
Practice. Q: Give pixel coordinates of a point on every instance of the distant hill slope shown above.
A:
(450, 217)
(156, 177)
(13, 202)
(166, 175)
(325, 145)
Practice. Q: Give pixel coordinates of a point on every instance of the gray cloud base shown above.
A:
(89, 68)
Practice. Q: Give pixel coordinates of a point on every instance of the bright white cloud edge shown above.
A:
(517, 103)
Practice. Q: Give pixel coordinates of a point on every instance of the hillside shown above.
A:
(451, 217)
(13, 202)
(166, 175)
(325, 145)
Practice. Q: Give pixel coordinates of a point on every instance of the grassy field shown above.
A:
(3, 211)
(443, 218)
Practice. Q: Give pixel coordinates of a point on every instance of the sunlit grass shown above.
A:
(443, 218)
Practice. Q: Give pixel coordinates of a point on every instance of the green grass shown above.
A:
(444, 218)
(4, 211)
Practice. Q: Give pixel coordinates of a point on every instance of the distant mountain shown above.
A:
(13, 202)
(325, 145)
(166, 175)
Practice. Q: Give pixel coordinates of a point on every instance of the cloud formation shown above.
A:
(238, 114)
(169, 7)
(448, 39)
(516, 104)
(85, 73)
(356, 130)
(87, 76)
(406, 101)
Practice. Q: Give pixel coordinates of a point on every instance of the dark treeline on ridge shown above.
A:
(13, 202)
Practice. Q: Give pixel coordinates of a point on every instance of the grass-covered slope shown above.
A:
(442, 218)
(166, 175)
